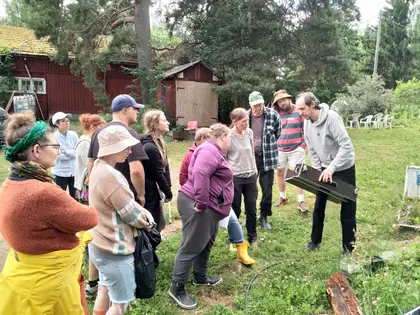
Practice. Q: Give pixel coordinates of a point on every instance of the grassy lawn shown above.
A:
(297, 284)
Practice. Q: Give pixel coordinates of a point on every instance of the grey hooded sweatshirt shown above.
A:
(328, 143)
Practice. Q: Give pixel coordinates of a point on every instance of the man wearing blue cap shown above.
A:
(124, 113)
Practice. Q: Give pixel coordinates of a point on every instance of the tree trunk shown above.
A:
(144, 54)
(341, 295)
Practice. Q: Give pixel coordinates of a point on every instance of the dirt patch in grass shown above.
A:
(212, 297)
(172, 228)
(209, 299)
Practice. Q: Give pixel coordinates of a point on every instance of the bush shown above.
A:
(405, 101)
(367, 96)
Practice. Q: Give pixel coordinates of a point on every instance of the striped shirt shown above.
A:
(118, 213)
(291, 136)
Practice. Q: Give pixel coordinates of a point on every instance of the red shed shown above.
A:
(187, 93)
(57, 89)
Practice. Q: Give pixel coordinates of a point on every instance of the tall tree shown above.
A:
(244, 40)
(324, 45)
(82, 28)
(307, 44)
(16, 13)
(414, 35)
(395, 55)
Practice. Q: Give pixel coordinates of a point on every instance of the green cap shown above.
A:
(255, 98)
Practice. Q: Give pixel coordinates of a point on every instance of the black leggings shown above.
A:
(65, 182)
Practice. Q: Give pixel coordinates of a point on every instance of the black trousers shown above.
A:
(248, 188)
(65, 182)
(347, 214)
(266, 179)
(154, 205)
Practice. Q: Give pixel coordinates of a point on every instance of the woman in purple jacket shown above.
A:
(202, 202)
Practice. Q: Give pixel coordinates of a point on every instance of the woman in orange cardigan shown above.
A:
(39, 221)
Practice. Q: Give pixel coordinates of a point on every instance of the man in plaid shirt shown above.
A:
(265, 124)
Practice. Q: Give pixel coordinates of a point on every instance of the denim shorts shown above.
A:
(116, 272)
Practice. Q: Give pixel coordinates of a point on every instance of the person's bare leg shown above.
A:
(303, 207)
(102, 301)
(117, 309)
(281, 184)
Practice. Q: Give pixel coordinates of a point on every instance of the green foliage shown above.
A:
(7, 77)
(395, 55)
(367, 96)
(260, 45)
(405, 101)
(16, 13)
(393, 289)
(240, 39)
(325, 68)
(179, 128)
(161, 38)
(7, 67)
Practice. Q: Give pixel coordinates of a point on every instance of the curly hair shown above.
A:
(18, 125)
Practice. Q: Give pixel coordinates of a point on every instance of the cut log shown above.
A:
(341, 296)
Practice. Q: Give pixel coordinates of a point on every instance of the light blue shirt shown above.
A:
(65, 163)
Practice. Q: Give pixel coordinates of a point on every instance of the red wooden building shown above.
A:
(186, 90)
(57, 89)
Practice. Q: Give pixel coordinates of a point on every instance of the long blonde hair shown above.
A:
(151, 121)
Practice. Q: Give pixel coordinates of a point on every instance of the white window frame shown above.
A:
(19, 82)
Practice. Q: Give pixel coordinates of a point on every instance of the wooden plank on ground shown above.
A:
(341, 296)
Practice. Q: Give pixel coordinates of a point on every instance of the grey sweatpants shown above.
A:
(199, 231)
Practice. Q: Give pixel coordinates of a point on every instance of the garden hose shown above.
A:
(269, 266)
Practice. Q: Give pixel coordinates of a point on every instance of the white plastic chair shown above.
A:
(377, 120)
(387, 121)
(353, 120)
(367, 121)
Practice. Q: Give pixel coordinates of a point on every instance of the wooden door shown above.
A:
(196, 101)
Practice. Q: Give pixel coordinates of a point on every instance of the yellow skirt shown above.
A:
(44, 284)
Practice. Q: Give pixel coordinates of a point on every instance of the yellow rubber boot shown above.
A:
(243, 256)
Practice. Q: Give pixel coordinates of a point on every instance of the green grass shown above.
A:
(297, 284)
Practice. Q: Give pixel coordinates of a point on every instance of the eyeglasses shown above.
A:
(54, 146)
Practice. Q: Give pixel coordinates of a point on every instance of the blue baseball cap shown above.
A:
(123, 101)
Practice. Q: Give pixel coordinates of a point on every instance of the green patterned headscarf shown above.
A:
(36, 132)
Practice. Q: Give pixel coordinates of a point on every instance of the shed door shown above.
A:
(196, 101)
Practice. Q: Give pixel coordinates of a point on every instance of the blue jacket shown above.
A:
(65, 164)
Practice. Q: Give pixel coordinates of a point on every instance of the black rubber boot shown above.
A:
(178, 294)
(264, 222)
(204, 280)
(312, 246)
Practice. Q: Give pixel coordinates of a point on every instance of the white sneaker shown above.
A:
(91, 291)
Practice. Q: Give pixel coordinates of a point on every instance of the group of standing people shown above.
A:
(122, 181)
